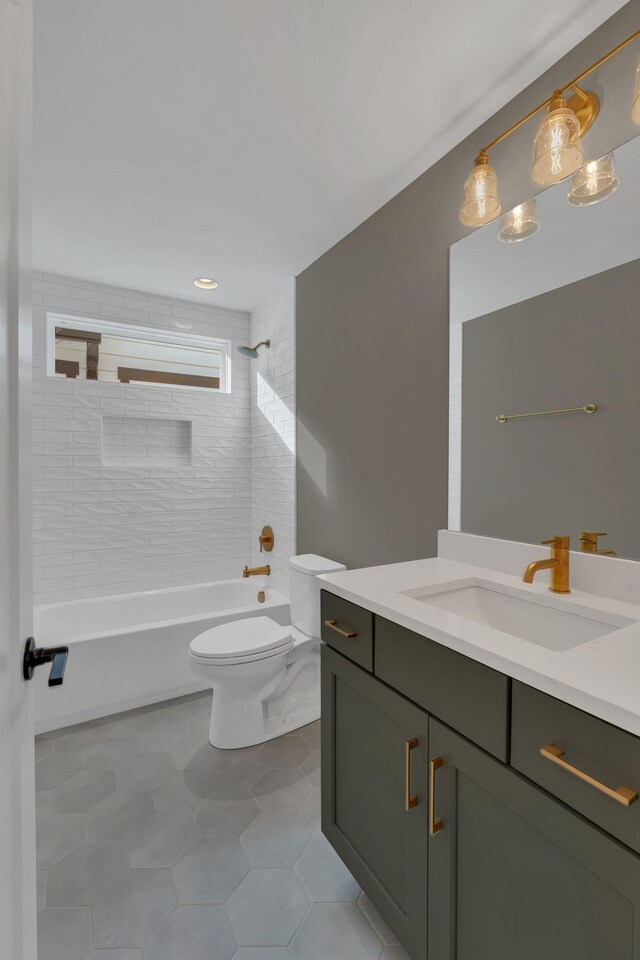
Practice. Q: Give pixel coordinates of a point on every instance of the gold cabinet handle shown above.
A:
(624, 795)
(435, 823)
(347, 634)
(410, 800)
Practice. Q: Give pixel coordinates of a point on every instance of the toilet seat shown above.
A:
(242, 641)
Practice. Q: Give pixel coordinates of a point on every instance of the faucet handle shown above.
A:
(266, 539)
(557, 542)
(591, 536)
(589, 542)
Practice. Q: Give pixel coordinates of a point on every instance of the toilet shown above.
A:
(266, 677)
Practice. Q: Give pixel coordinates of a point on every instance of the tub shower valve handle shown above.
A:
(266, 539)
(35, 656)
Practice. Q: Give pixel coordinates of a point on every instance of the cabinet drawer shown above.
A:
(350, 631)
(585, 758)
(471, 698)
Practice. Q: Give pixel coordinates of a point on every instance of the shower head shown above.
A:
(252, 352)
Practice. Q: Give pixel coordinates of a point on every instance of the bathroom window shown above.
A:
(84, 349)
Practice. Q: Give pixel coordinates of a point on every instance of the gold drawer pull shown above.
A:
(624, 795)
(435, 823)
(347, 634)
(410, 800)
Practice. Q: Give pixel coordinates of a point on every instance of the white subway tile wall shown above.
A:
(106, 523)
(273, 433)
(145, 442)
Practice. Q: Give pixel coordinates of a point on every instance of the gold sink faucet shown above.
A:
(256, 571)
(558, 563)
(589, 543)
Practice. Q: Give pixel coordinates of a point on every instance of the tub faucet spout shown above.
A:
(257, 571)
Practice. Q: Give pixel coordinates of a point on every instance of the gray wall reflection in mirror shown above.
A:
(548, 323)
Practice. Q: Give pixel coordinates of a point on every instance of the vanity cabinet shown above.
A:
(597, 770)
(470, 842)
(374, 793)
(470, 697)
(347, 628)
(513, 873)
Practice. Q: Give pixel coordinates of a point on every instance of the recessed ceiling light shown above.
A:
(205, 283)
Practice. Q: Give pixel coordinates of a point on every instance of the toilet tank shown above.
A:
(304, 590)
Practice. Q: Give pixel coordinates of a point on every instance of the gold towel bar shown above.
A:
(588, 408)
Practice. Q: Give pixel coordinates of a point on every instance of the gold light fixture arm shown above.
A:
(516, 126)
(603, 59)
(572, 85)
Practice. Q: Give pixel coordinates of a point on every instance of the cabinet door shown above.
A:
(374, 793)
(515, 873)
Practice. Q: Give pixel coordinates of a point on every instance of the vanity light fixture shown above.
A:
(596, 181)
(520, 223)
(205, 283)
(480, 203)
(557, 151)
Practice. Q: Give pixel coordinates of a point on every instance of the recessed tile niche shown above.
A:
(145, 441)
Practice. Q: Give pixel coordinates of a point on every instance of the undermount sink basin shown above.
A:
(546, 621)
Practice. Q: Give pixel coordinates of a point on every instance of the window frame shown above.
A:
(150, 334)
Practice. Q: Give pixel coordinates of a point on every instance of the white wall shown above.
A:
(273, 433)
(102, 529)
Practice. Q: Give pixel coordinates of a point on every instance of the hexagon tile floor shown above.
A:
(153, 845)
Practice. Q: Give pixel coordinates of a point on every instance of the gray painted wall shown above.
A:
(372, 323)
(531, 479)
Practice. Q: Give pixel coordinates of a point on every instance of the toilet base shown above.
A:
(257, 704)
(276, 727)
(279, 726)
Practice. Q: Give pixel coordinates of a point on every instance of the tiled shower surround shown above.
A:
(103, 527)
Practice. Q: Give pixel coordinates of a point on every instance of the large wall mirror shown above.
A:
(551, 323)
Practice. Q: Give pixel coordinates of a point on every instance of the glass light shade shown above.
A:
(520, 223)
(557, 152)
(480, 203)
(635, 108)
(596, 181)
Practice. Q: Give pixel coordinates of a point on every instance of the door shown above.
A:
(17, 832)
(515, 873)
(374, 792)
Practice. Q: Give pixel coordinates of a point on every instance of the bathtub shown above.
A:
(132, 650)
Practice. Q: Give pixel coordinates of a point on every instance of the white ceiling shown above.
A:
(240, 139)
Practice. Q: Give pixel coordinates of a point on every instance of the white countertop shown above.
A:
(601, 677)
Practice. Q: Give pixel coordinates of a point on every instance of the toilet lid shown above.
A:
(241, 638)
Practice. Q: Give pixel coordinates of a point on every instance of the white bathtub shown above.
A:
(131, 650)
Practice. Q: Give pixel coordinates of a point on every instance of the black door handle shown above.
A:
(36, 656)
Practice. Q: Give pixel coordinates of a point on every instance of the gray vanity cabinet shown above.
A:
(472, 843)
(374, 793)
(514, 873)
(347, 628)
